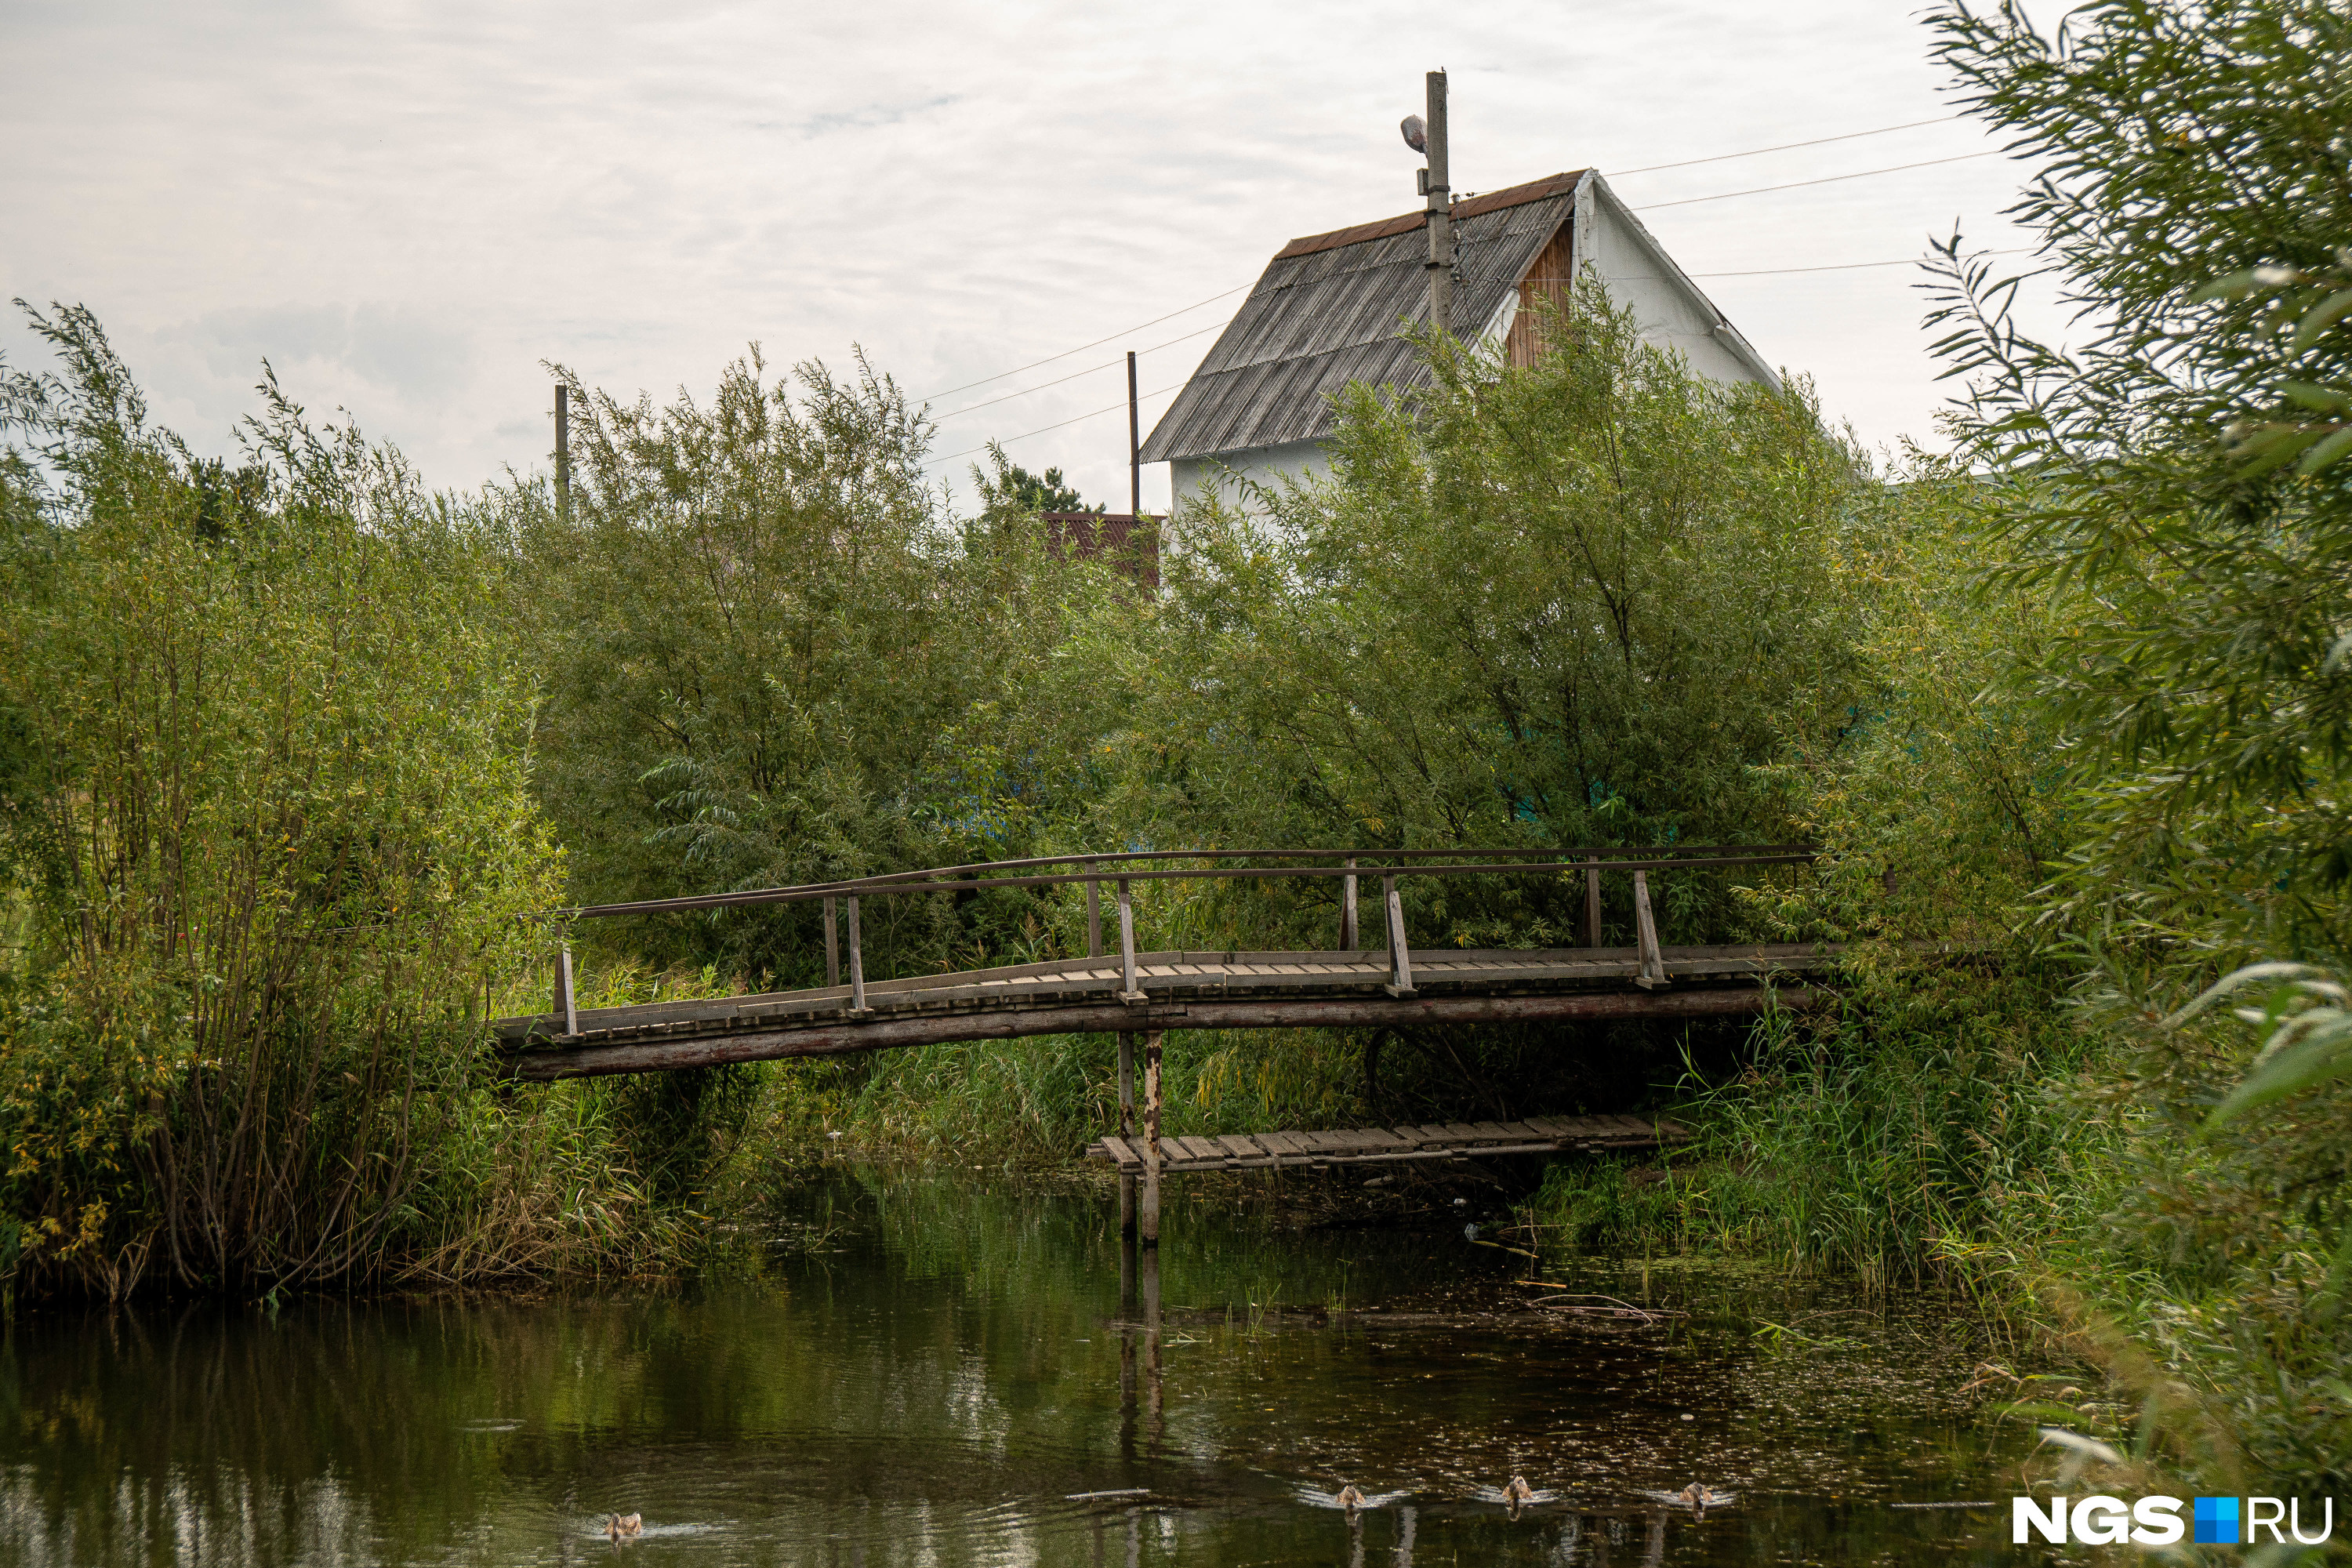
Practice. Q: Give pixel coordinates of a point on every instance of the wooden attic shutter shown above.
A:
(1547, 277)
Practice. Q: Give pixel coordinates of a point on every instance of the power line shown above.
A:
(1686, 201)
(1107, 364)
(1825, 180)
(1040, 429)
(1082, 348)
(1846, 265)
(1786, 146)
(1113, 408)
(1652, 168)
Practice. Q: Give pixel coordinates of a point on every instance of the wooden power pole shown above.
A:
(562, 452)
(1134, 445)
(1440, 191)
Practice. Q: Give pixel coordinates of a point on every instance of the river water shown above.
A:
(947, 1371)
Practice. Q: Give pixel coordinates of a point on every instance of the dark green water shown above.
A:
(943, 1379)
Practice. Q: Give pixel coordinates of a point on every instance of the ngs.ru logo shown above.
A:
(2157, 1521)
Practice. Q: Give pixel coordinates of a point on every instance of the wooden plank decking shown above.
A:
(1366, 1145)
(1173, 990)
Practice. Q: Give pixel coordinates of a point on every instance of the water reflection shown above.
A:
(972, 1375)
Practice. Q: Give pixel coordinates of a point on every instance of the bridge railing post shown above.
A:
(857, 963)
(1593, 901)
(1093, 917)
(831, 948)
(1128, 990)
(1399, 954)
(1347, 942)
(565, 1007)
(1653, 976)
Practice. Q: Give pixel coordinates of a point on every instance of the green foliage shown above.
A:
(764, 643)
(2207, 708)
(1042, 1101)
(268, 823)
(1009, 492)
(1580, 603)
(1939, 810)
(2177, 477)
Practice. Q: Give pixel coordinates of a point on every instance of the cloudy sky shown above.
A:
(407, 207)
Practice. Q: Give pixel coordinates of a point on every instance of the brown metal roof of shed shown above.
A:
(1328, 312)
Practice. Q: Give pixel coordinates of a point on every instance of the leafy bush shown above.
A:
(269, 843)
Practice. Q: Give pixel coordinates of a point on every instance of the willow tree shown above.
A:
(770, 657)
(268, 836)
(1580, 602)
(2184, 471)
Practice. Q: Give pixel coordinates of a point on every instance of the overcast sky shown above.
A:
(406, 207)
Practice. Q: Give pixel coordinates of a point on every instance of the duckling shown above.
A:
(1519, 1494)
(1349, 1497)
(622, 1524)
(1700, 1495)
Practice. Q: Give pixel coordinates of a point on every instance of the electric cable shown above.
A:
(1107, 364)
(1786, 146)
(1007, 440)
(1647, 169)
(1846, 265)
(1082, 348)
(1686, 201)
(1113, 408)
(1825, 180)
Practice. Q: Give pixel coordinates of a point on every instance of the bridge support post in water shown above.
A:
(1152, 1406)
(1149, 1218)
(1127, 1320)
(1127, 1129)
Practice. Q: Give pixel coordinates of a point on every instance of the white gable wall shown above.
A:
(1668, 309)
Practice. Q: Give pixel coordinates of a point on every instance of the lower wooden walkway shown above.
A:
(1452, 1140)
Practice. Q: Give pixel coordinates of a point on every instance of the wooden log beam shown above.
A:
(1081, 1018)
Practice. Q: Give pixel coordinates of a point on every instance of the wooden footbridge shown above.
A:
(1131, 992)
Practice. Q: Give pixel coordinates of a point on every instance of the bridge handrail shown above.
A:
(1359, 863)
(1387, 864)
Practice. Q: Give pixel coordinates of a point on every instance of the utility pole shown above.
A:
(1436, 184)
(562, 452)
(1134, 445)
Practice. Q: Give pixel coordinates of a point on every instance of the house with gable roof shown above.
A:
(1328, 309)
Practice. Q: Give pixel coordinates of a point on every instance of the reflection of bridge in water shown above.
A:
(1127, 993)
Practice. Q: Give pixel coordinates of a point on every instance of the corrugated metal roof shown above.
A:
(1328, 312)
